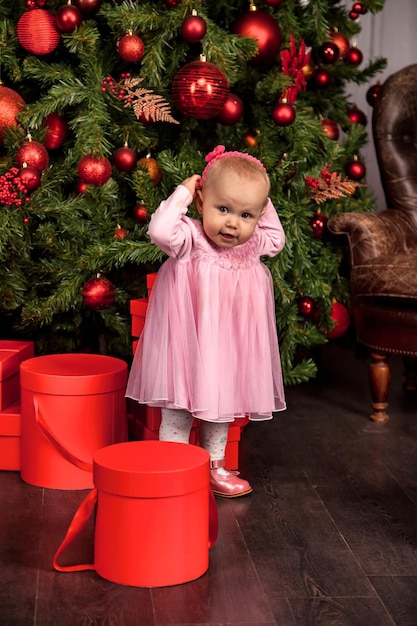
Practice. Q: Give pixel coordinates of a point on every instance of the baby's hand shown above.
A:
(191, 183)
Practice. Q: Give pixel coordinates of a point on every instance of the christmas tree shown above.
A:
(107, 105)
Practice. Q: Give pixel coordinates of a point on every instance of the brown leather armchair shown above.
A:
(383, 245)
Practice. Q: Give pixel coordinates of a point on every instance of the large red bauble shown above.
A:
(98, 293)
(330, 128)
(265, 29)
(131, 48)
(89, 7)
(94, 170)
(283, 114)
(340, 315)
(125, 159)
(10, 105)
(68, 18)
(232, 111)
(193, 28)
(356, 170)
(37, 32)
(30, 177)
(57, 131)
(199, 90)
(34, 154)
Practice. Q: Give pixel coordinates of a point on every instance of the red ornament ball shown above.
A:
(120, 232)
(98, 293)
(94, 170)
(154, 171)
(232, 111)
(37, 32)
(356, 116)
(199, 90)
(10, 105)
(306, 306)
(372, 94)
(57, 130)
(140, 214)
(341, 41)
(30, 177)
(131, 48)
(34, 154)
(322, 78)
(125, 159)
(265, 29)
(81, 187)
(193, 28)
(354, 56)
(88, 7)
(329, 52)
(356, 170)
(359, 7)
(318, 225)
(68, 18)
(331, 129)
(340, 316)
(283, 114)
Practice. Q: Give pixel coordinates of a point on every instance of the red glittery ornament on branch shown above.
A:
(193, 28)
(34, 154)
(30, 177)
(356, 170)
(57, 130)
(37, 32)
(130, 47)
(68, 18)
(11, 103)
(283, 114)
(94, 170)
(125, 159)
(232, 111)
(98, 293)
(262, 27)
(200, 89)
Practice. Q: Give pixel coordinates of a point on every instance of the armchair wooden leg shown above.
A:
(379, 380)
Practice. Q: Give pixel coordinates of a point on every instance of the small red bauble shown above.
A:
(354, 56)
(81, 187)
(30, 177)
(130, 47)
(306, 306)
(57, 131)
(322, 78)
(34, 154)
(37, 32)
(68, 18)
(98, 293)
(10, 105)
(89, 7)
(283, 114)
(340, 316)
(265, 29)
(232, 111)
(329, 52)
(125, 159)
(372, 94)
(193, 28)
(318, 225)
(341, 41)
(356, 170)
(359, 7)
(200, 89)
(140, 214)
(172, 3)
(94, 170)
(120, 232)
(356, 116)
(330, 128)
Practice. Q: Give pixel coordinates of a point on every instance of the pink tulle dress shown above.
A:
(210, 344)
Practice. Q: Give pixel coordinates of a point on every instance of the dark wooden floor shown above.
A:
(328, 537)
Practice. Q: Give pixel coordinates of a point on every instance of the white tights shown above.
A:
(176, 426)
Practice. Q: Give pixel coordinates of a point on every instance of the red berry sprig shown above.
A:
(12, 190)
(111, 86)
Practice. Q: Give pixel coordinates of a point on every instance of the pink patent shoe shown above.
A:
(227, 484)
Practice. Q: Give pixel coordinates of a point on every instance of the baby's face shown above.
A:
(231, 205)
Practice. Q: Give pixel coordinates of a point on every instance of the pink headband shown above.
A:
(219, 152)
